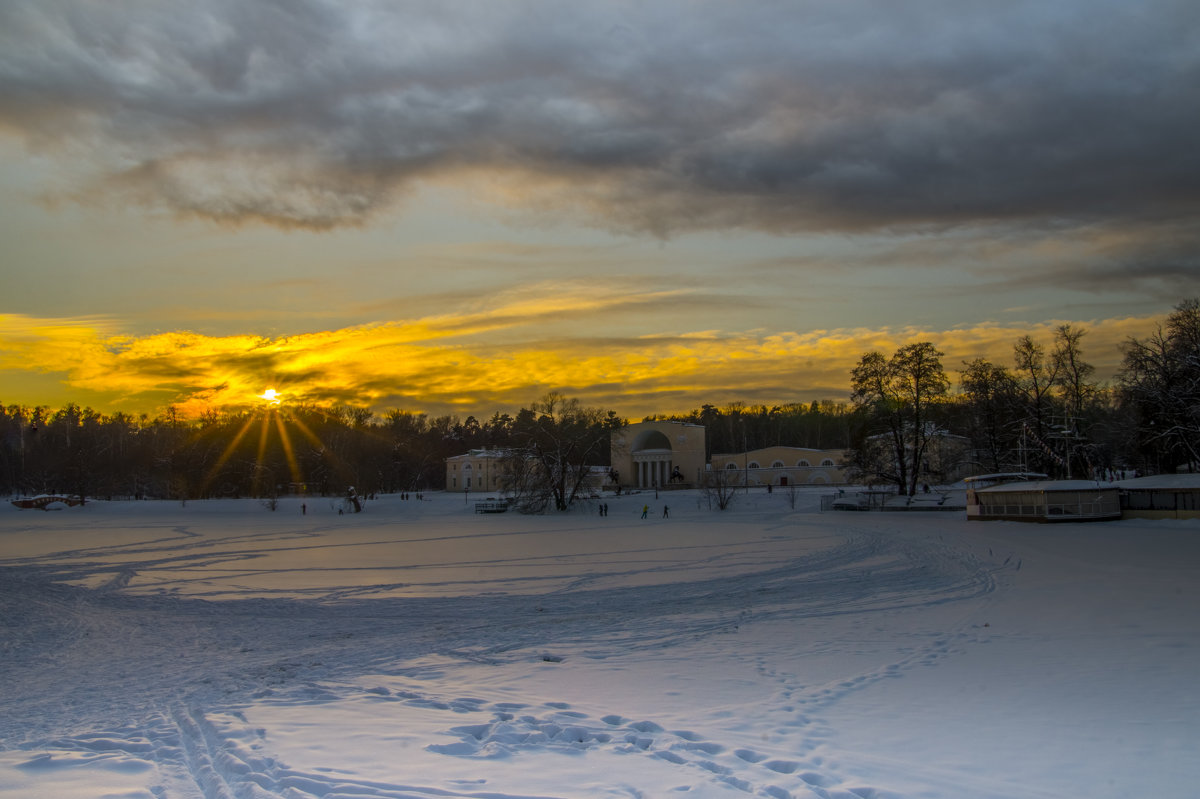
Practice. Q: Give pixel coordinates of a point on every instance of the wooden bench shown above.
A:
(491, 506)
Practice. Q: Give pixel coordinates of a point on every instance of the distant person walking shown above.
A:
(303, 509)
(645, 510)
(666, 512)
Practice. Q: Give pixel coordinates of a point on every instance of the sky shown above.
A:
(458, 207)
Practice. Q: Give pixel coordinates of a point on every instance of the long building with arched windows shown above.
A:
(782, 466)
(665, 455)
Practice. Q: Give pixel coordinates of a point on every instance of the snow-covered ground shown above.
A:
(221, 650)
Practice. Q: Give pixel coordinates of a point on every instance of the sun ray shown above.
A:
(288, 450)
(312, 437)
(225, 456)
(260, 457)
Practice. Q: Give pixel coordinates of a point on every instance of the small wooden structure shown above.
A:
(1046, 501)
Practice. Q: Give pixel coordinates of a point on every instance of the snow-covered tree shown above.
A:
(1160, 378)
(900, 396)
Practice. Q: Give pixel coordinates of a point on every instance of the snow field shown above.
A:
(219, 650)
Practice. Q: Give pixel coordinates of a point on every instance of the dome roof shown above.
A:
(652, 439)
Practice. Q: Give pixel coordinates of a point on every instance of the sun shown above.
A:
(273, 416)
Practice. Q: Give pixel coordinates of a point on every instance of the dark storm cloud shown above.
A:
(649, 117)
(1160, 268)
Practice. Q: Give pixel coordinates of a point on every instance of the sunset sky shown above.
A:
(456, 207)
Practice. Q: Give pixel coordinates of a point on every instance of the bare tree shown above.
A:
(1072, 373)
(900, 395)
(1036, 378)
(1160, 378)
(523, 480)
(989, 399)
(792, 492)
(555, 445)
(719, 487)
(874, 393)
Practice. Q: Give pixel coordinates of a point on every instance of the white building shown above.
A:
(1045, 501)
(486, 470)
(478, 470)
(1161, 496)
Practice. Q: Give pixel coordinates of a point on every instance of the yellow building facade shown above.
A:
(782, 466)
(478, 470)
(658, 454)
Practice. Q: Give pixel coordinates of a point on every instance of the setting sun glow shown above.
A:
(431, 364)
(673, 230)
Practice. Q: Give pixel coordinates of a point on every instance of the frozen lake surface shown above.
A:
(220, 650)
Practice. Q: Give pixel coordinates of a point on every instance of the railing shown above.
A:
(1054, 510)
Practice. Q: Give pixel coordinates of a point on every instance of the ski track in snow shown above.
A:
(195, 757)
(200, 661)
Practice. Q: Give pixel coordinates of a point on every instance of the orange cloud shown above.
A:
(456, 364)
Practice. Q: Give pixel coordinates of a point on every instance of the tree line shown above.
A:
(1044, 411)
(324, 451)
(255, 453)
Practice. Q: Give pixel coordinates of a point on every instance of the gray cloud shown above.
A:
(657, 117)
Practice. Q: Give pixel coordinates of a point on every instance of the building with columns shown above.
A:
(664, 455)
(658, 454)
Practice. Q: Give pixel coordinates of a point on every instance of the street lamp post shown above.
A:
(745, 458)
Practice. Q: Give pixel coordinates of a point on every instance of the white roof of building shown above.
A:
(1011, 477)
(482, 453)
(1162, 482)
(1049, 486)
(796, 450)
(662, 422)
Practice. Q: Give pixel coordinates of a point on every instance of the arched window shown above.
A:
(466, 467)
(753, 465)
(777, 465)
(731, 466)
(803, 464)
(827, 462)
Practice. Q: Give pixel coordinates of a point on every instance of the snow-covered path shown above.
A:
(419, 650)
